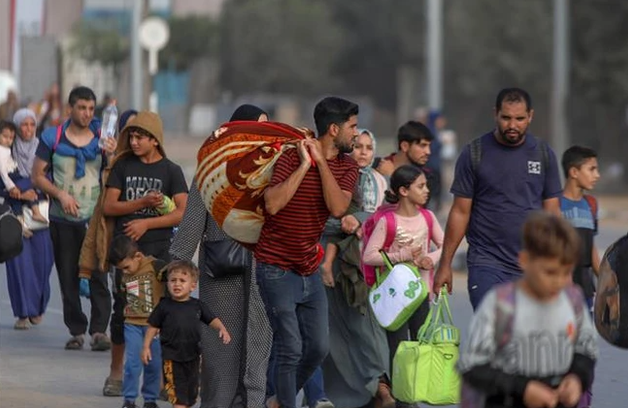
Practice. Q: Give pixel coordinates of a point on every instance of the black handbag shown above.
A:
(226, 258)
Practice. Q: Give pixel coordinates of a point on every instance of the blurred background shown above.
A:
(398, 59)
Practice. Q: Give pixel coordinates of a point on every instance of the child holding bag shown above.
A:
(412, 241)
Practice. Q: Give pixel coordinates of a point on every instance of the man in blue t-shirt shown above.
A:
(499, 179)
(68, 167)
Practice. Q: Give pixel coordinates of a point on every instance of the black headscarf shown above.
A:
(247, 112)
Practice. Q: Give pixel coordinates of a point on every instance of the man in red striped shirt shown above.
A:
(309, 184)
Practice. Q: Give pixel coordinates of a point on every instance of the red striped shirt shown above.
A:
(289, 239)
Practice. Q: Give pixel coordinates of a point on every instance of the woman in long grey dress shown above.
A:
(232, 375)
(356, 370)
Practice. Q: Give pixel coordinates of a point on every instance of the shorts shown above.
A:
(181, 381)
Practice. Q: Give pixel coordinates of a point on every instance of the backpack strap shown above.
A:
(57, 138)
(475, 148)
(593, 205)
(576, 298)
(430, 222)
(504, 313)
(391, 227)
(544, 155)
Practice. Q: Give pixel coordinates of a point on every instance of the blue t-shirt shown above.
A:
(581, 217)
(510, 183)
(65, 162)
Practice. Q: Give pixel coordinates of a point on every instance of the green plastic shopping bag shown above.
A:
(425, 370)
(396, 294)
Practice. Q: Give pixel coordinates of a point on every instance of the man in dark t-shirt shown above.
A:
(492, 199)
(309, 184)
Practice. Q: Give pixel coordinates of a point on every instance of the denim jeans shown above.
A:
(483, 278)
(314, 388)
(297, 310)
(133, 366)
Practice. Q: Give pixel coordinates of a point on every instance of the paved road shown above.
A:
(36, 372)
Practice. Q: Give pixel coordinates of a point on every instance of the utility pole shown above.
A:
(434, 54)
(560, 77)
(136, 56)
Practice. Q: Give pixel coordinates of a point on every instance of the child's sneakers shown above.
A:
(129, 404)
(151, 404)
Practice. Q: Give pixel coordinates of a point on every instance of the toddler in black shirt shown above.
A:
(176, 319)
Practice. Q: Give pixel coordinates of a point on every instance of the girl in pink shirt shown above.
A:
(408, 190)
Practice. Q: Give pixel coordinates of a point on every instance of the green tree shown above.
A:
(98, 44)
(378, 37)
(191, 38)
(599, 80)
(280, 46)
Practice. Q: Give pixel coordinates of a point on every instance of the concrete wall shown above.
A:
(5, 35)
(61, 15)
(39, 68)
(212, 8)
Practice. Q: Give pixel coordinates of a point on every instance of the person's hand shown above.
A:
(315, 149)
(306, 159)
(224, 335)
(146, 355)
(539, 395)
(327, 274)
(386, 167)
(424, 262)
(443, 276)
(110, 145)
(136, 229)
(570, 390)
(417, 251)
(68, 204)
(29, 195)
(15, 193)
(84, 288)
(153, 199)
(349, 224)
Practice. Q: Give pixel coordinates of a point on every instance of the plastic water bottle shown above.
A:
(109, 122)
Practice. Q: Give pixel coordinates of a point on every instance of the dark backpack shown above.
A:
(476, 153)
(10, 234)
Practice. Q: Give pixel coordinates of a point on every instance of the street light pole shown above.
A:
(136, 56)
(434, 54)
(560, 76)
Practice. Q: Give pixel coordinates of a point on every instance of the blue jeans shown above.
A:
(314, 388)
(134, 342)
(297, 310)
(483, 278)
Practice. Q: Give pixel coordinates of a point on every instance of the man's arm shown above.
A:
(337, 200)
(456, 228)
(39, 179)
(595, 260)
(277, 196)
(552, 205)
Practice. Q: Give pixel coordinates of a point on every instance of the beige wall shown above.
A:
(5, 34)
(61, 16)
(206, 7)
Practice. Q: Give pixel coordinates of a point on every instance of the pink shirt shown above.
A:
(410, 233)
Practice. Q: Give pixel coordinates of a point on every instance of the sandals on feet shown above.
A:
(35, 320)
(22, 324)
(112, 388)
(100, 342)
(75, 343)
